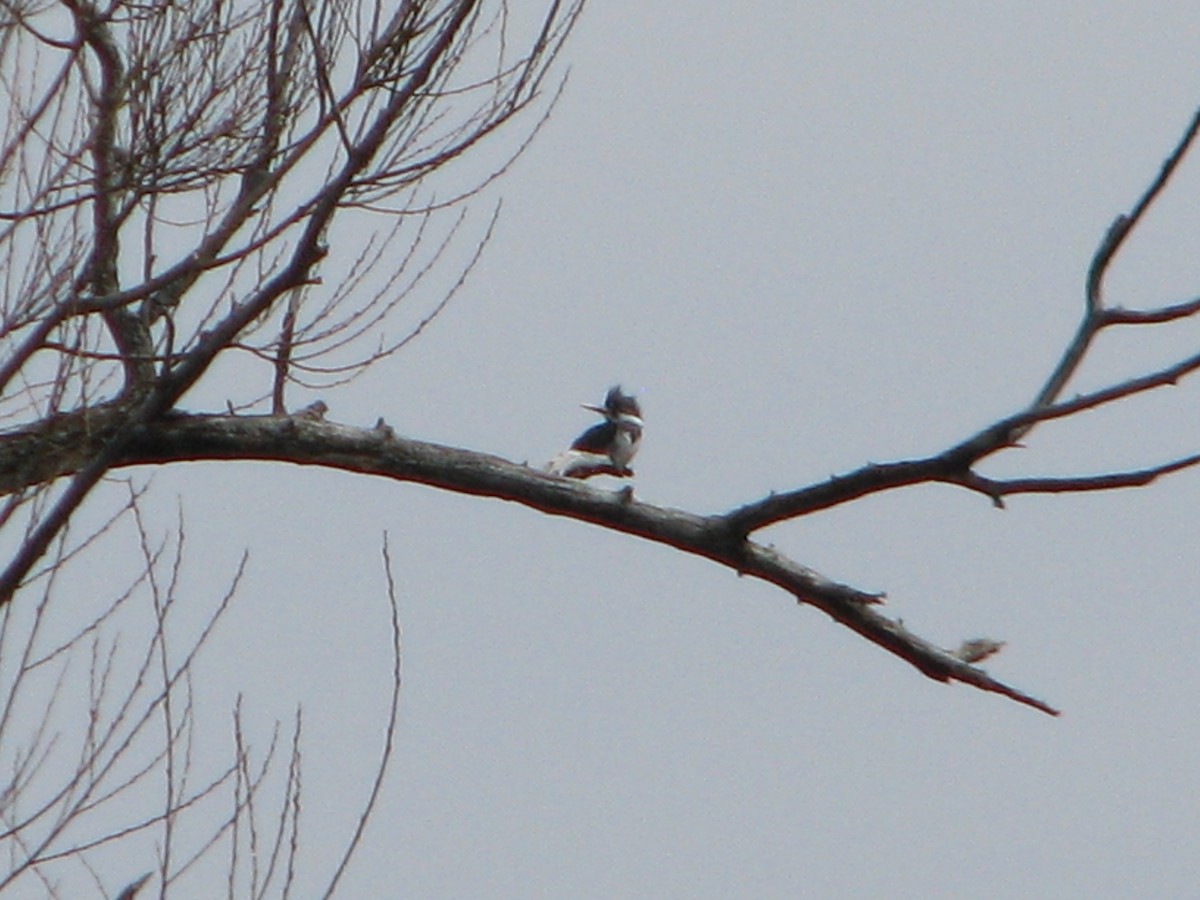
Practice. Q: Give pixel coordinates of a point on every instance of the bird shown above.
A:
(606, 448)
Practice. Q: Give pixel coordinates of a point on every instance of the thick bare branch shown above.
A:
(378, 452)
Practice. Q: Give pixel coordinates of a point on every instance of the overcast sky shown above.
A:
(807, 239)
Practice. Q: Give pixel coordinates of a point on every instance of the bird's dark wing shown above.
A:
(597, 439)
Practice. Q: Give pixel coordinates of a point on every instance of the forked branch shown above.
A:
(956, 464)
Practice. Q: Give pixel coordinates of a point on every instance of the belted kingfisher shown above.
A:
(607, 448)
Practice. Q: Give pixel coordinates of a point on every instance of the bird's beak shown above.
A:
(597, 409)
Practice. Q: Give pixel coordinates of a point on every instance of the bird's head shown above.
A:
(619, 407)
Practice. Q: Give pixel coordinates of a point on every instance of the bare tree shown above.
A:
(172, 176)
(172, 180)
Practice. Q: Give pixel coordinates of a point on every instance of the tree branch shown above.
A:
(954, 465)
(377, 451)
(1123, 225)
(1095, 316)
(998, 488)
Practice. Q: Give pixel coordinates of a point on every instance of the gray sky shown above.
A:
(808, 239)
